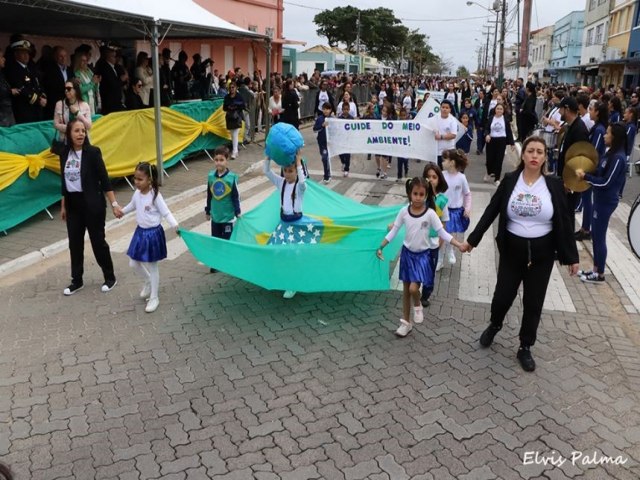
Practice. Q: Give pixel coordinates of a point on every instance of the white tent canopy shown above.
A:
(123, 19)
(114, 19)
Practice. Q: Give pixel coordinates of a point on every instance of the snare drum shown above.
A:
(633, 227)
(550, 138)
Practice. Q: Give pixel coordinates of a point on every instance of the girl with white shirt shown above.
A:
(458, 194)
(499, 135)
(148, 245)
(418, 218)
(353, 108)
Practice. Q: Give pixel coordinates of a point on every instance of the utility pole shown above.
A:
(358, 42)
(524, 42)
(502, 34)
(495, 41)
(486, 49)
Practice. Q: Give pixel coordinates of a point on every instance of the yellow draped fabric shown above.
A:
(126, 139)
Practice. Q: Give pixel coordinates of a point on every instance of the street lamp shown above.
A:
(498, 6)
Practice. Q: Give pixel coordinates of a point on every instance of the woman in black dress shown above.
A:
(290, 105)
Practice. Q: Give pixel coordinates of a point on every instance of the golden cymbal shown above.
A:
(569, 177)
(584, 149)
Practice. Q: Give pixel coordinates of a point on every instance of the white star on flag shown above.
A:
(290, 229)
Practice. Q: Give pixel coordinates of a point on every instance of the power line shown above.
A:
(403, 19)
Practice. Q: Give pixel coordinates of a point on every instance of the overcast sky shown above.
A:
(452, 26)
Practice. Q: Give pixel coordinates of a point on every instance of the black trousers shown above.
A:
(526, 261)
(495, 156)
(79, 220)
(221, 230)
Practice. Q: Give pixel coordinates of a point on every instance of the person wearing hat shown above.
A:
(28, 98)
(575, 131)
(112, 80)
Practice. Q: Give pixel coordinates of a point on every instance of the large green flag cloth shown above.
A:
(342, 259)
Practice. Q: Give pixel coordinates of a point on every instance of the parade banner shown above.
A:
(420, 93)
(401, 138)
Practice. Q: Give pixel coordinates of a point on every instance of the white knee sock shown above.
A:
(140, 270)
(154, 274)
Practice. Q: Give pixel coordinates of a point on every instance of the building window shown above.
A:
(252, 28)
(592, 4)
(590, 37)
(599, 34)
(600, 2)
(269, 31)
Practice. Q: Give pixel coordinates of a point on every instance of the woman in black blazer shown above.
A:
(84, 185)
(533, 230)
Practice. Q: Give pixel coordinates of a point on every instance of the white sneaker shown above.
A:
(451, 256)
(234, 155)
(152, 305)
(496, 183)
(146, 291)
(418, 315)
(289, 294)
(487, 179)
(345, 174)
(439, 265)
(404, 328)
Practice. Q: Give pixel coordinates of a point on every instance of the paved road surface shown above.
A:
(229, 381)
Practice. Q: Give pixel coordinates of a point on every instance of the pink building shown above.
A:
(261, 16)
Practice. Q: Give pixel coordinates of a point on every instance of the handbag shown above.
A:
(57, 146)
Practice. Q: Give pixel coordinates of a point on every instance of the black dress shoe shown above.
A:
(425, 302)
(486, 339)
(582, 235)
(526, 360)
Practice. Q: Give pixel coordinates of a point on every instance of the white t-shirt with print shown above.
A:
(530, 210)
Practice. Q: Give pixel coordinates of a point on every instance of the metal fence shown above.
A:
(258, 108)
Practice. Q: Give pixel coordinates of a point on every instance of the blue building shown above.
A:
(566, 48)
(632, 69)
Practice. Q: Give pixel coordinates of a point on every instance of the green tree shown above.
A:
(338, 26)
(382, 34)
(418, 51)
(462, 72)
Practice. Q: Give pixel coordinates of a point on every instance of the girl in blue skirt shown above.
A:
(418, 218)
(148, 245)
(458, 192)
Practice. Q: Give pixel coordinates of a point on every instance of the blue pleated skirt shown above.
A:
(415, 266)
(148, 244)
(457, 223)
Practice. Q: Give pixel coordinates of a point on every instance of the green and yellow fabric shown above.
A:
(343, 258)
(29, 180)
